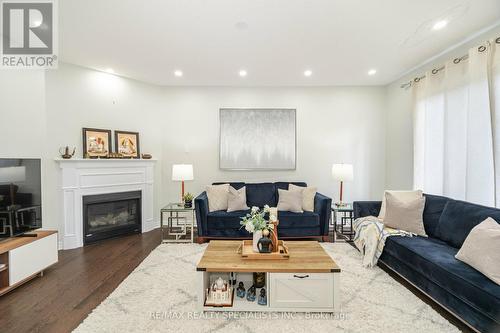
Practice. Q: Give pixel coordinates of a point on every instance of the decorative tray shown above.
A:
(246, 251)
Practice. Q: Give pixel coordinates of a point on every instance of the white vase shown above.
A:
(256, 236)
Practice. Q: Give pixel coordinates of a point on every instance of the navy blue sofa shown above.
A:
(226, 225)
(429, 262)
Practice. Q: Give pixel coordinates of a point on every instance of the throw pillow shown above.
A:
(237, 199)
(405, 215)
(459, 217)
(404, 196)
(290, 201)
(308, 194)
(217, 197)
(481, 249)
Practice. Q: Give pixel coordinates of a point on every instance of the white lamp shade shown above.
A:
(12, 174)
(182, 172)
(342, 172)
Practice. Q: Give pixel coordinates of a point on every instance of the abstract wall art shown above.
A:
(257, 139)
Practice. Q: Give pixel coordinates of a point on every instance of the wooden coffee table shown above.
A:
(307, 282)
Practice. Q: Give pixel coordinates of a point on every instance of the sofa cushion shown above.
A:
(217, 197)
(290, 201)
(235, 185)
(481, 249)
(285, 185)
(403, 196)
(225, 220)
(237, 199)
(434, 206)
(261, 194)
(297, 220)
(458, 219)
(435, 260)
(308, 195)
(404, 215)
(224, 224)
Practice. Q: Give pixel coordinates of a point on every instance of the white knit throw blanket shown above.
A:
(370, 238)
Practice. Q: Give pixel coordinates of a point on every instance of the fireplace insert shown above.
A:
(111, 215)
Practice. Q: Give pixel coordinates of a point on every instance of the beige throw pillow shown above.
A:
(217, 197)
(237, 199)
(308, 194)
(481, 249)
(405, 196)
(405, 215)
(290, 201)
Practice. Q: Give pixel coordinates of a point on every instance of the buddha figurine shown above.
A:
(262, 297)
(240, 291)
(264, 245)
(251, 294)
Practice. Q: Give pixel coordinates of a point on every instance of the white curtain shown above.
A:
(495, 110)
(456, 128)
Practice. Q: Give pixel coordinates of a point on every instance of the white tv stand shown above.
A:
(24, 258)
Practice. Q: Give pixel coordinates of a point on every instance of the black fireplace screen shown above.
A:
(111, 215)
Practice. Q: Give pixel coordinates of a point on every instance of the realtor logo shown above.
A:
(28, 34)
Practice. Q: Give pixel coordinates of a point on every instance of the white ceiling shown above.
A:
(273, 40)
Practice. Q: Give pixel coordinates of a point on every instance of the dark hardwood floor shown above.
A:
(83, 278)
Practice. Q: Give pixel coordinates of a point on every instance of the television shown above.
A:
(20, 196)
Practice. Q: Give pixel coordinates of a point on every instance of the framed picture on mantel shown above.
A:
(96, 142)
(127, 144)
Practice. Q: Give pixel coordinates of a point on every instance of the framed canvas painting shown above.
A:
(127, 144)
(96, 142)
(257, 139)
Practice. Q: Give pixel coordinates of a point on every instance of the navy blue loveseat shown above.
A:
(429, 262)
(226, 225)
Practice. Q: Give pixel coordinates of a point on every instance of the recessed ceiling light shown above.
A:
(439, 25)
(242, 73)
(308, 72)
(110, 70)
(178, 73)
(372, 72)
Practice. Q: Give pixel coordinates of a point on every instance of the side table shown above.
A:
(179, 220)
(345, 214)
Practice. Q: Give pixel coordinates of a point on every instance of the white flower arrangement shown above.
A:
(255, 220)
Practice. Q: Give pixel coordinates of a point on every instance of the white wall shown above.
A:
(77, 97)
(399, 116)
(370, 127)
(41, 112)
(22, 118)
(336, 124)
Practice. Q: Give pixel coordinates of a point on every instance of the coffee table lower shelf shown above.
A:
(286, 292)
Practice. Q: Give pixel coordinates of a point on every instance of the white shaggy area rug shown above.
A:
(160, 295)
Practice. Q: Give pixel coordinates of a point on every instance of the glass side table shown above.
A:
(344, 214)
(179, 220)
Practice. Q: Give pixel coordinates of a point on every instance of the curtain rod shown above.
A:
(408, 84)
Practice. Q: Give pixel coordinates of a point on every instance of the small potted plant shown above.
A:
(188, 200)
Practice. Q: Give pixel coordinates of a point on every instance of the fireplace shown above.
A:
(111, 215)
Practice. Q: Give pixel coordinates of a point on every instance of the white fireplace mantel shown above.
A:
(81, 177)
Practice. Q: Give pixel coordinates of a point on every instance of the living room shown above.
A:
(250, 142)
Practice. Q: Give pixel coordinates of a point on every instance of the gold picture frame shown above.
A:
(96, 142)
(127, 144)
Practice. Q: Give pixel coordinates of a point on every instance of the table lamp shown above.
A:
(182, 172)
(11, 175)
(342, 172)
